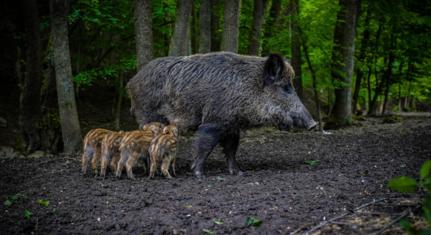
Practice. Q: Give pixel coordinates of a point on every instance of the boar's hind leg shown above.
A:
(230, 142)
(206, 138)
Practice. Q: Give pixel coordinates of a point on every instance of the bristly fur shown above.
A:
(134, 145)
(163, 149)
(111, 151)
(217, 94)
(91, 149)
(220, 87)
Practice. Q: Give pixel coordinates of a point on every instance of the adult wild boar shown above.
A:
(217, 94)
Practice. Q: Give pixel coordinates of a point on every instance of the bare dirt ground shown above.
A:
(294, 182)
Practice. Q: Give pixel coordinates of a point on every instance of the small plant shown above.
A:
(253, 221)
(208, 231)
(311, 162)
(27, 214)
(13, 199)
(43, 202)
(405, 184)
(218, 221)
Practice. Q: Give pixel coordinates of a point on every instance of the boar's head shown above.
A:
(281, 105)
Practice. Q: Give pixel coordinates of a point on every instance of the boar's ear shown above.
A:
(273, 69)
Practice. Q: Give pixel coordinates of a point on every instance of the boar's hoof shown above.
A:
(199, 174)
(236, 172)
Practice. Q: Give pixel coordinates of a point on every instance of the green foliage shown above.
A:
(27, 214)
(312, 162)
(403, 184)
(253, 221)
(13, 199)
(406, 184)
(102, 43)
(86, 78)
(43, 202)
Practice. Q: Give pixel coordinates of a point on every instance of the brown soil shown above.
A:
(294, 181)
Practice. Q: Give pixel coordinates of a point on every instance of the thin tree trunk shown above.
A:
(215, 25)
(313, 76)
(270, 25)
(231, 25)
(370, 72)
(70, 128)
(205, 27)
(296, 46)
(371, 107)
(256, 29)
(388, 73)
(342, 61)
(179, 46)
(30, 113)
(119, 103)
(143, 32)
(193, 31)
(361, 59)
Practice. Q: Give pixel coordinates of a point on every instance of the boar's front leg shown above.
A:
(230, 143)
(206, 138)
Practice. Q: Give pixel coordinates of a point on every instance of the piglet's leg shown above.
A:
(131, 162)
(206, 138)
(96, 160)
(123, 159)
(106, 158)
(165, 167)
(230, 142)
(87, 155)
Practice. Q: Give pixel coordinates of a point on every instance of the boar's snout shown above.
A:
(312, 125)
(303, 119)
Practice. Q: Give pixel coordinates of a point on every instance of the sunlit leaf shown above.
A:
(425, 169)
(253, 221)
(403, 184)
(43, 202)
(27, 214)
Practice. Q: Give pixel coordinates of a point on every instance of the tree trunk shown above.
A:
(70, 128)
(231, 23)
(342, 61)
(296, 46)
(205, 27)
(143, 32)
(179, 43)
(370, 72)
(313, 76)
(30, 113)
(119, 102)
(215, 25)
(270, 24)
(361, 59)
(371, 106)
(256, 29)
(388, 73)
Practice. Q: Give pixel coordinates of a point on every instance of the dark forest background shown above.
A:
(64, 64)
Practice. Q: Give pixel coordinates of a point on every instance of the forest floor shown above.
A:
(294, 182)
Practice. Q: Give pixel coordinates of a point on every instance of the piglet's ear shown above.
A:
(273, 69)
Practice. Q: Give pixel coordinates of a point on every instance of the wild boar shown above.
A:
(163, 149)
(111, 151)
(134, 145)
(217, 94)
(92, 148)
